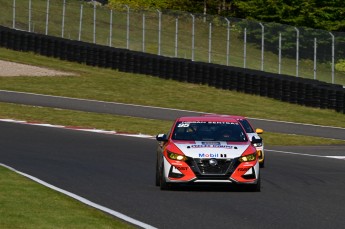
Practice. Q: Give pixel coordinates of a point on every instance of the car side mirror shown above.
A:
(259, 131)
(162, 137)
(256, 140)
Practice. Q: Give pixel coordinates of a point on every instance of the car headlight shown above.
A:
(175, 156)
(250, 157)
(257, 144)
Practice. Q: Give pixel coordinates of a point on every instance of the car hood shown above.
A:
(204, 149)
(251, 135)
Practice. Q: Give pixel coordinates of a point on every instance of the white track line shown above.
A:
(297, 123)
(111, 132)
(83, 200)
(309, 155)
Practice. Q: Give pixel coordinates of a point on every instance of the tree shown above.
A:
(319, 14)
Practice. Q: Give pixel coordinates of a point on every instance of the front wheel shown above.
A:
(157, 181)
(255, 187)
(163, 184)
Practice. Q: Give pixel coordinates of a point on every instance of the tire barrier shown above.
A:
(305, 92)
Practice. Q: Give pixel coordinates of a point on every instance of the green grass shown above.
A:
(26, 204)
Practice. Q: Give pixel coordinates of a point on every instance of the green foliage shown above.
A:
(141, 4)
(340, 66)
(319, 14)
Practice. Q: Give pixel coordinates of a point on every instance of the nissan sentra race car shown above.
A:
(259, 145)
(207, 149)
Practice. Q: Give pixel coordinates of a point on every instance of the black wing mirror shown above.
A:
(256, 140)
(162, 137)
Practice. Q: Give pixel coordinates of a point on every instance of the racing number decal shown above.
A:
(183, 125)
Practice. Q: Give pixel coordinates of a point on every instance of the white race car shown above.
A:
(207, 149)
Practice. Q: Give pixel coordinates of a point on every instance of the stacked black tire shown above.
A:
(285, 88)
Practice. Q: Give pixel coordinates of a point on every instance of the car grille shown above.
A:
(203, 169)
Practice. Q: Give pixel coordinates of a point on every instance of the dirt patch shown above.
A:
(15, 69)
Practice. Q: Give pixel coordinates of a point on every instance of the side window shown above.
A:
(247, 126)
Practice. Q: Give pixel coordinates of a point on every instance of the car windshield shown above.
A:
(246, 126)
(209, 131)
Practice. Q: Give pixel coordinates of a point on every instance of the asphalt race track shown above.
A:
(157, 113)
(302, 187)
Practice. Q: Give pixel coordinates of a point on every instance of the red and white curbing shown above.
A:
(111, 132)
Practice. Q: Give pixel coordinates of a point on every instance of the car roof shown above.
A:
(228, 116)
(207, 118)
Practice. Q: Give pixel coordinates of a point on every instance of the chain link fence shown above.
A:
(270, 47)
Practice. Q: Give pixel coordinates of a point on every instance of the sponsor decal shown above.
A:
(182, 168)
(186, 124)
(210, 143)
(212, 146)
(211, 155)
(243, 169)
(226, 123)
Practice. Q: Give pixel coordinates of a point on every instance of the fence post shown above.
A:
(193, 35)
(262, 45)
(30, 4)
(297, 51)
(210, 43)
(176, 37)
(94, 22)
(111, 28)
(159, 31)
(332, 57)
(227, 42)
(143, 40)
(14, 15)
(47, 18)
(63, 18)
(127, 34)
(80, 21)
(245, 48)
(315, 56)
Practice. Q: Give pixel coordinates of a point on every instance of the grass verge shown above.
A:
(26, 204)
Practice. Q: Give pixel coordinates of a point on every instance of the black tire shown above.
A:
(262, 164)
(255, 187)
(163, 184)
(157, 182)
